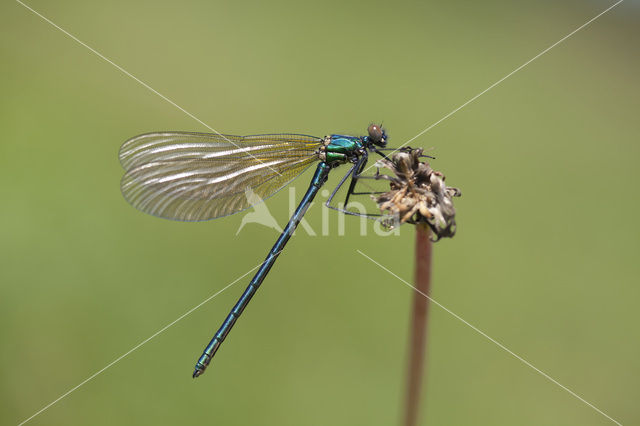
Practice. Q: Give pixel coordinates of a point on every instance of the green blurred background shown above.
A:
(545, 260)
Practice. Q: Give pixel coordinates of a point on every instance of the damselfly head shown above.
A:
(377, 135)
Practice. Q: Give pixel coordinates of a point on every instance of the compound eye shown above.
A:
(375, 133)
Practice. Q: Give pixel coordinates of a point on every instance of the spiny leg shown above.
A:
(357, 169)
(358, 165)
(335, 191)
(380, 151)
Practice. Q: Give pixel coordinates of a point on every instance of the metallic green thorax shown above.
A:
(338, 148)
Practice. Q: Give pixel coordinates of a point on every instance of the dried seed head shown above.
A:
(417, 194)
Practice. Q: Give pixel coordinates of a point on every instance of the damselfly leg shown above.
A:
(355, 173)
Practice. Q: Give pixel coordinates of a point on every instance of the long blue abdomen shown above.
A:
(319, 178)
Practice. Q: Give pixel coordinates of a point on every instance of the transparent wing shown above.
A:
(201, 176)
(165, 146)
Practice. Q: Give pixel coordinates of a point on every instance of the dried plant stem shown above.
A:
(418, 332)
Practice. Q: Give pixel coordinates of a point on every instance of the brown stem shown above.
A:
(418, 325)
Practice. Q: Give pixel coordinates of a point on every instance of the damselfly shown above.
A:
(200, 176)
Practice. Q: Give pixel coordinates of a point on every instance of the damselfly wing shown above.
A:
(200, 176)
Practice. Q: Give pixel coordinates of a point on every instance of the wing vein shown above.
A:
(199, 176)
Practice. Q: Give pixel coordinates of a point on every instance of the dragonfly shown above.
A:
(190, 176)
